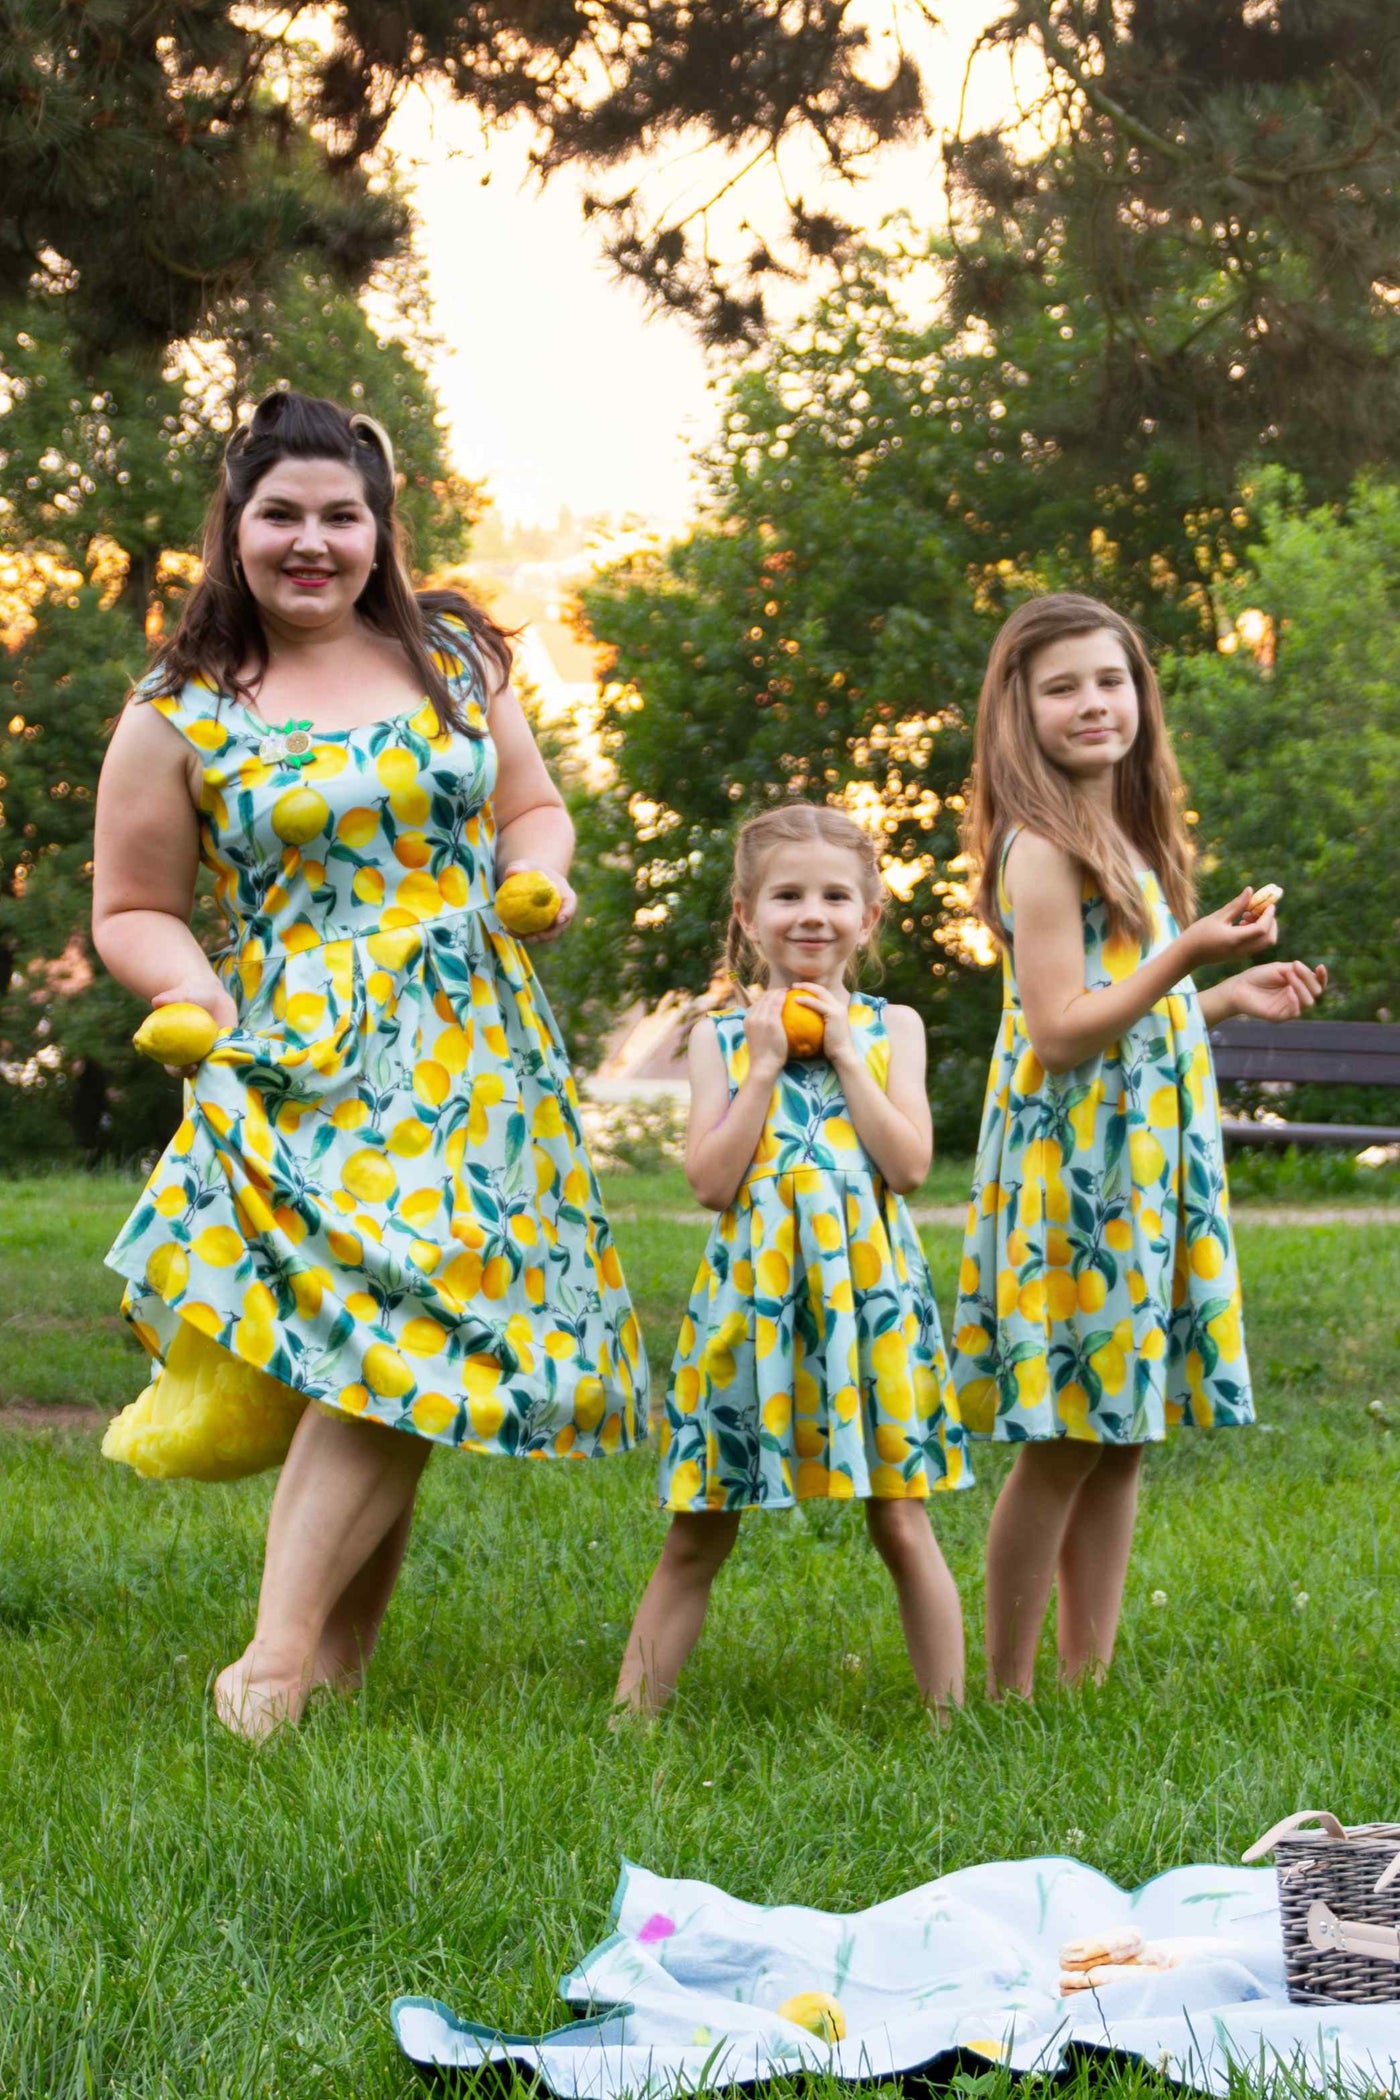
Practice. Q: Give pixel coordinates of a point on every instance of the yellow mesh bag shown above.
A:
(206, 1416)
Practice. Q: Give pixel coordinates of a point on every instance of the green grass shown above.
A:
(182, 1917)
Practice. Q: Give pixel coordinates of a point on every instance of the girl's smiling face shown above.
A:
(809, 915)
(1084, 705)
(306, 542)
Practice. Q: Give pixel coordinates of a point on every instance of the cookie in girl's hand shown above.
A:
(1268, 893)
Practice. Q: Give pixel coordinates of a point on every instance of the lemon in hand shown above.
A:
(803, 1025)
(818, 2012)
(179, 1034)
(527, 902)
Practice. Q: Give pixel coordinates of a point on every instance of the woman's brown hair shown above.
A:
(1015, 786)
(791, 824)
(219, 631)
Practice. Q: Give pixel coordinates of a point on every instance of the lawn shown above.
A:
(183, 1917)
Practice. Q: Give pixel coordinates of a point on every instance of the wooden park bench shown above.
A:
(1325, 1053)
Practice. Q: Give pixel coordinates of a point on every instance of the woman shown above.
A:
(379, 1196)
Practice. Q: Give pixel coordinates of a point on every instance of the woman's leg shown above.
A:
(352, 1624)
(1094, 1562)
(1024, 1543)
(344, 1487)
(672, 1611)
(929, 1610)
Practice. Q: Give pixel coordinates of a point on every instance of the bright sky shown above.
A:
(561, 388)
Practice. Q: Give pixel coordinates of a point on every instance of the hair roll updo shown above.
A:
(220, 636)
(793, 824)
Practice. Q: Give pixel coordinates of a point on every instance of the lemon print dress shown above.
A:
(380, 1194)
(1099, 1296)
(810, 1360)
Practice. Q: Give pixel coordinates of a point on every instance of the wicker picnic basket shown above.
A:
(1339, 1904)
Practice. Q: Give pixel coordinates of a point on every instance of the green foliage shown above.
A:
(1292, 748)
(1215, 227)
(65, 1026)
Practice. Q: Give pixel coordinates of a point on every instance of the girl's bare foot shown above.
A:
(253, 1706)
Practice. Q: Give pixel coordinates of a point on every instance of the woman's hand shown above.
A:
(204, 990)
(568, 902)
(766, 1036)
(1276, 991)
(1224, 935)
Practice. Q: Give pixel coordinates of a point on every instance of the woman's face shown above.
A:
(306, 542)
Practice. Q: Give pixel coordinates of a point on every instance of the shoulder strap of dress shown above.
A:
(200, 712)
(456, 655)
(1007, 843)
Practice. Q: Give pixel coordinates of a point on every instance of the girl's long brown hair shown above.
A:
(791, 824)
(219, 631)
(1014, 784)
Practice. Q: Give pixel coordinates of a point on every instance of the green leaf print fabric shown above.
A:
(810, 1360)
(1099, 1295)
(380, 1193)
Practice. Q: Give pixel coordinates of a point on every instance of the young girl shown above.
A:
(379, 1197)
(1099, 1299)
(810, 1361)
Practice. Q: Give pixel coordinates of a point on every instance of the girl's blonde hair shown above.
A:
(793, 824)
(1014, 784)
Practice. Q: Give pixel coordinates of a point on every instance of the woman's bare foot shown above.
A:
(331, 1672)
(253, 1706)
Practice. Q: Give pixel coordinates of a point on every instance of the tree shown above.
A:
(822, 633)
(1215, 228)
(163, 154)
(1290, 739)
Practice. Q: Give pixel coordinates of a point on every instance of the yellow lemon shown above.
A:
(385, 1372)
(1093, 1291)
(1061, 1296)
(527, 902)
(1118, 1234)
(589, 1403)
(1032, 1381)
(219, 1245)
(168, 1270)
(1162, 1108)
(178, 1034)
(369, 1175)
(1207, 1256)
(777, 1413)
(685, 1485)
(969, 1275)
(548, 1120)
(433, 1413)
(971, 1340)
(866, 1266)
(892, 1443)
(819, 2013)
(774, 1274)
(803, 1026)
(977, 1405)
(1148, 1159)
(686, 1390)
(1030, 1300)
(300, 816)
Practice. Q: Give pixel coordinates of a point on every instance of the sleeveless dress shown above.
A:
(810, 1361)
(1099, 1295)
(380, 1193)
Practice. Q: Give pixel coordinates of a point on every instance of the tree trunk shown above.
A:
(88, 1115)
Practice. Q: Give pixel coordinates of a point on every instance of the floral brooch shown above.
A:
(288, 746)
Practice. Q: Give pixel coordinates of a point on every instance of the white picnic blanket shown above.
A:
(683, 1995)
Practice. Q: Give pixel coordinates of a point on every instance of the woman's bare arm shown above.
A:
(145, 861)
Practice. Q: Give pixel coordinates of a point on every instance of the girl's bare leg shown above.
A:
(929, 1610)
(344, 1487)
(1024, 1542)
(1094, 1562)
(672, 1611)
(352, 1625)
